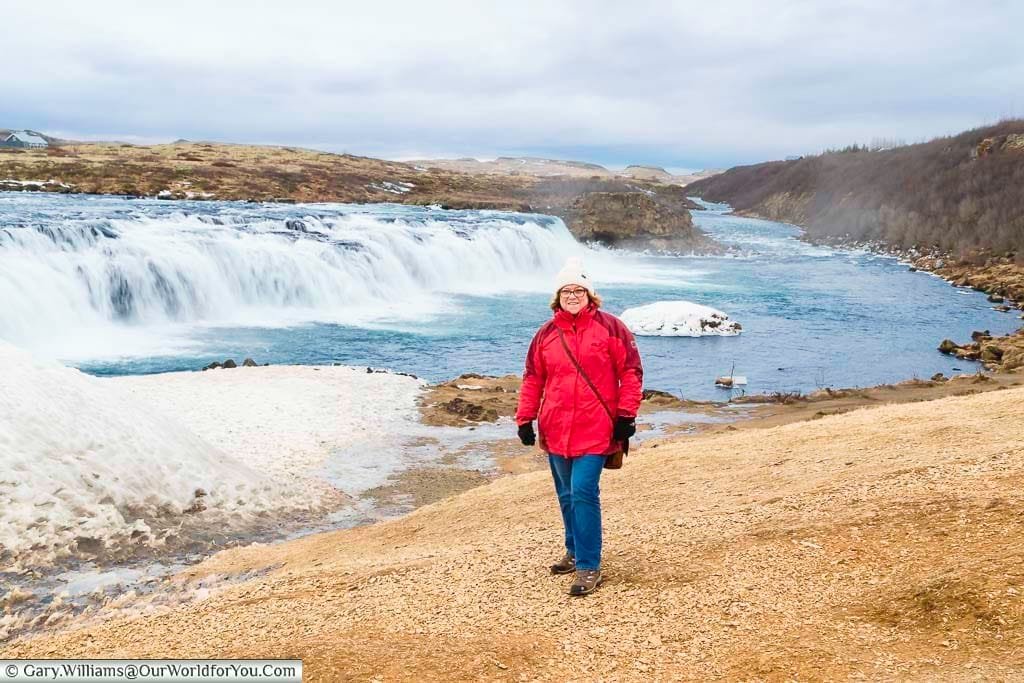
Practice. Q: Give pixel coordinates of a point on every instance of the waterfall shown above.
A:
(150, 266)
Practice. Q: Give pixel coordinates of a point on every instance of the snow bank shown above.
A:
(84, 465)
(100, 465)
(335, 424)
(679, 319)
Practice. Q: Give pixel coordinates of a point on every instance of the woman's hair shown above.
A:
(594, 299)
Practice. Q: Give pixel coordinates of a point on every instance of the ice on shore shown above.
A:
(84, 464)
(95, 466)
(340, 426)
(679, 319)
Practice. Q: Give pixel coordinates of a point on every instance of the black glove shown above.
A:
(625, 427)
(526, 434)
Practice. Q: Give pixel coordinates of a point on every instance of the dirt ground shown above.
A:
(885, 543)
(471, 399)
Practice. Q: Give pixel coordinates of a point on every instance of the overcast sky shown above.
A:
(684, 85)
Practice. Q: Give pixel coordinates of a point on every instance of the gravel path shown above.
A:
(885, 543)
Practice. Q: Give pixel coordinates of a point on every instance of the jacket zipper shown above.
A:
(575, 386)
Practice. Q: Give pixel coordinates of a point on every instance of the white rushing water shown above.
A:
(121, 281)
(191, 268)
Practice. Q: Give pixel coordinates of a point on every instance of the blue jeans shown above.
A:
(579, 496)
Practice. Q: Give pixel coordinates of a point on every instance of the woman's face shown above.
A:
(573, 298)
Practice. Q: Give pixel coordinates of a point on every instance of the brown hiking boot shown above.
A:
(587, 581)
(566, 565)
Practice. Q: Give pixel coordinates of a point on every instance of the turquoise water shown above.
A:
(116, 286)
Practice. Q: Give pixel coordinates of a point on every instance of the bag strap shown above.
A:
(561, 336)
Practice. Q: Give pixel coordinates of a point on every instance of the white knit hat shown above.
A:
(572, 273)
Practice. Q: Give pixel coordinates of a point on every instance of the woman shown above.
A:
(584, 377)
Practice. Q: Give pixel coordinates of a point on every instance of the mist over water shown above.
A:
(118, 286)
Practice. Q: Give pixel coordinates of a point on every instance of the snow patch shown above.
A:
(679, 319)
(393, 188)
(649, 193)
(34, 184)
(85, 464)
(335, 424)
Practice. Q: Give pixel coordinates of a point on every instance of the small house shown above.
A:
(24, 139)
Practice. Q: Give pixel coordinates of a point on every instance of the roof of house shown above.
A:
(24, 136)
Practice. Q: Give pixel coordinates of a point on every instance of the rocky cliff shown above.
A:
(636, 220)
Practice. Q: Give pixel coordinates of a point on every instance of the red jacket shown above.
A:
(572, 421)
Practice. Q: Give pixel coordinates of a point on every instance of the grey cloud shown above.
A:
(665, 83)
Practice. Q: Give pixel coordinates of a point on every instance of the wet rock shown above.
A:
(249, 363)
(991, 353)
(655, 395)
(198, 504)
(996, 299)
(386, 371)
(1013, 359)
(948, 346)
(978, 335)
(1001, 308)
(212, 366)
(968, 352)
(229, 363)
(470, 411)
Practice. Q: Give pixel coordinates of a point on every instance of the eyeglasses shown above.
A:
(573, 293)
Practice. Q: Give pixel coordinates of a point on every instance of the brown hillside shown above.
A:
(959, 194)
(883, 544)
(197, 170)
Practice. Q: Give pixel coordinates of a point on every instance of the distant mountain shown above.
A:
(540, 160)
(547, 168)
(519, 166)
(959, 194)
(647, 173)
